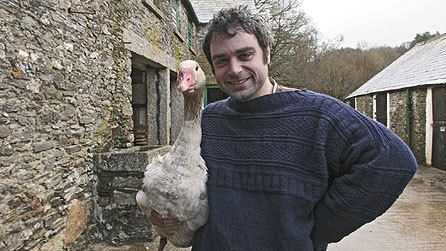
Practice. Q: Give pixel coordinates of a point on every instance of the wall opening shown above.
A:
(351, 102)
(214, 93)
(139, 104)
(439, 130)
(146, 102)
(381, 108)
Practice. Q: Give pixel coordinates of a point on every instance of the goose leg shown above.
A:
(163, 243)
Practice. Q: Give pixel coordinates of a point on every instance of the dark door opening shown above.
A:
(352, 102)
(381, 108)
(213, 93)
(439, 134)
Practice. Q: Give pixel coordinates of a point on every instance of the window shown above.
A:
(190, 33)
(139, 96)
(139, 105)
(176, 14)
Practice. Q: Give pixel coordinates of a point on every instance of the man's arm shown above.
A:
(369, 168)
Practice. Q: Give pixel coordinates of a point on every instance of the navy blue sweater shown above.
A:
(295, 171)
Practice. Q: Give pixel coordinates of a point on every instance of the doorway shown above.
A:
(381, 108)
(214, 93)
(439, 128)
(139, 105)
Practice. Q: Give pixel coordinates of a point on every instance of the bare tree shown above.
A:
(295, 41)
(338, 72)
(299, 59)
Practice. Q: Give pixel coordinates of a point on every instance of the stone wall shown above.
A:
(398, 114)
(418, 132)
(65, 93)
(407, 117)
(364, 104)
(119, 177)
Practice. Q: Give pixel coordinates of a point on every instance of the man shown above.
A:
(288, 169)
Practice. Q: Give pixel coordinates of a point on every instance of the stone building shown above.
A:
(87, 97)
(409, 97)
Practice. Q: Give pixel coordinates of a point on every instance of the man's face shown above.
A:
(239, 67)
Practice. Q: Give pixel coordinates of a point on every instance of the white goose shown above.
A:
(175, 184)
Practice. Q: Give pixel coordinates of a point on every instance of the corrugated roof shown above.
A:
(205, 9)
(424, 64)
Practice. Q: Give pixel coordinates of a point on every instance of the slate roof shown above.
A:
(424, 64)
(205, 9)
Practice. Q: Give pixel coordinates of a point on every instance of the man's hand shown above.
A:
(163, 222)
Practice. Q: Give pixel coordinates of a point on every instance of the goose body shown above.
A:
(175, 184)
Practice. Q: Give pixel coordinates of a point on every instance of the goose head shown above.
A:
(190, 77)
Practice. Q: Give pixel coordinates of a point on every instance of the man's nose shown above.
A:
(235, 67)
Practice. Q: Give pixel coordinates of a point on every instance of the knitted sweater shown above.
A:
(295, 171)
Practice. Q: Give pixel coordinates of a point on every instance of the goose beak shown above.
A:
(186, 80)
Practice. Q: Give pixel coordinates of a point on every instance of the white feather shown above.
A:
(175, 184)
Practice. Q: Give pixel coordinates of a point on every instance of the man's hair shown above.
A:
(226, 23)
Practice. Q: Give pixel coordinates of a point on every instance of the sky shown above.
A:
(376, 22)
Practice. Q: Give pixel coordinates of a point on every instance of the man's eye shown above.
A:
(220, 62)
(245, 56)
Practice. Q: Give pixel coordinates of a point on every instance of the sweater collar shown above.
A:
(265, 103)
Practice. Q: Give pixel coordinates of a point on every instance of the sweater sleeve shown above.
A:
(369, 167)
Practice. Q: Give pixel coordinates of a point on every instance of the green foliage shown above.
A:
(423, 37)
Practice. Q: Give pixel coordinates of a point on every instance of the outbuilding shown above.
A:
(409, 97)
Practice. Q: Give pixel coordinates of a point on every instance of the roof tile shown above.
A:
(424, 64)
(205, 9)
